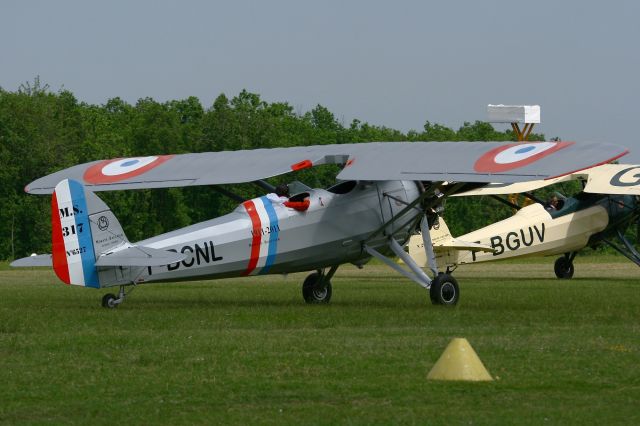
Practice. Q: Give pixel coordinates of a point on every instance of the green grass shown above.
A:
(249, 351)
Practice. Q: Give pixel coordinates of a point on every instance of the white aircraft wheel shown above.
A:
(314, 292)
(563, 268)
(108, 301)
(444, 290)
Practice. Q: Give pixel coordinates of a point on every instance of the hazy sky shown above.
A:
(396, 63)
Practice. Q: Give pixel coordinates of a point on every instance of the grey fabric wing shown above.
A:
(32, 261)
(377, 161)
(477, 161)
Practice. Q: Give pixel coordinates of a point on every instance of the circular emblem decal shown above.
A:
(103, 223)
(110, 171)
(512, 156)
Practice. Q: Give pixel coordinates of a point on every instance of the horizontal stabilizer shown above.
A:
(140, 256)
(33, 260)
(456, 244)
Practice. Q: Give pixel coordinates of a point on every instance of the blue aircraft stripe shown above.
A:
(83, 230)
(273, 235)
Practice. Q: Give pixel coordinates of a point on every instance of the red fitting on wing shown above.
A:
(305, 164)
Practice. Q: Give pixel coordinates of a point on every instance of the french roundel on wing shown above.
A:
(513, 156)
(110, 171)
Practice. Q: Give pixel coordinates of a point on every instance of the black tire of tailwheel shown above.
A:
(313, 293)
(444, 290)
(563, 268)
(107, 301)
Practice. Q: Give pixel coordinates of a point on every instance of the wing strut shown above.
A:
(428, 245)
(416, 274)
(229, 194)
(628, 251)
(514, 206)
(264, 185)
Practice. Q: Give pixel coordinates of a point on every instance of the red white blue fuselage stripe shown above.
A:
(73, 253)
(274, 227)
(265, 235)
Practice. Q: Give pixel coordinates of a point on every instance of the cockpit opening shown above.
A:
(343, 187)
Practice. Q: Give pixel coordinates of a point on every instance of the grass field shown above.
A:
(249, 351)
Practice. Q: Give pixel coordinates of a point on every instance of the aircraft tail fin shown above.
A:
(82, 228)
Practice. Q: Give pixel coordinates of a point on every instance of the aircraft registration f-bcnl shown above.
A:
(386, 192)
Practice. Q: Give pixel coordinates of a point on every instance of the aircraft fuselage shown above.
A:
(260, 237)
(533, 230)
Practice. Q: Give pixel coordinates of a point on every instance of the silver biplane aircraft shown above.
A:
(385, 191)
(600, 214)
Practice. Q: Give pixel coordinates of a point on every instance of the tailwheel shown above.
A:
(563, 268)
(109, 301)
(316, 290)
(444, 290)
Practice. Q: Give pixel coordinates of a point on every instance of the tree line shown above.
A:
(42, 131)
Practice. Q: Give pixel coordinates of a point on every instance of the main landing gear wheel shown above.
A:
(444, 290)
(563, 268)
(108, 301)
(315, 290)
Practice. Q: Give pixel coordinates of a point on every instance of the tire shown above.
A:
(313, 292)
(444, 290)
(563, 268)
(107, 301)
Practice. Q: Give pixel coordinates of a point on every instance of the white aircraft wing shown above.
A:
(621, 179)
(514, 188)
(375, 161)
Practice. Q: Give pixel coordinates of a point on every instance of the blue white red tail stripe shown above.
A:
(265, 231)
(73, 253)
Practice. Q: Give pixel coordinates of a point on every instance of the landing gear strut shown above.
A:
(316, 288)
(112, 301)
(564, 266)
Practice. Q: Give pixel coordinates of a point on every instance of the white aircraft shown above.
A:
(385, 189)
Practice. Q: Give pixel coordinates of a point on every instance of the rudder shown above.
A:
(82, 227)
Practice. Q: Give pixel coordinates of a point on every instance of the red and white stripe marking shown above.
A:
(513, 156)
(265, 235)
(110, 171)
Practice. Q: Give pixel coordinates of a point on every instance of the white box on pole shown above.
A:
(514, 113)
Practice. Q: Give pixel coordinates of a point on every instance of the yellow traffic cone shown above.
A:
(459, 362)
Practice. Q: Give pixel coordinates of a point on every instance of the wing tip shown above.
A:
(622, 154)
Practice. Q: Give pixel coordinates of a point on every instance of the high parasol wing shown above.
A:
(375, 161)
